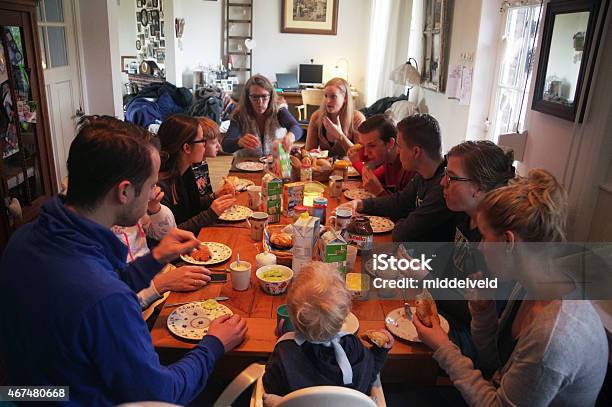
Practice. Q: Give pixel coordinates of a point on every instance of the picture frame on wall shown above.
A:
(155, 3)
(160, 55)
(144, 17)
(309, 17)
(126, 61)
(162, 43)
(138, 45)
(154, 15)
(161, 29)
(139, 26)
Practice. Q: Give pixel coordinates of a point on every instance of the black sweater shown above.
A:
(191, 211)
(292, 367)
(419, 210)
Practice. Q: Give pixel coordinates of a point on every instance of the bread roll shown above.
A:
(377, 338)
(426, 309)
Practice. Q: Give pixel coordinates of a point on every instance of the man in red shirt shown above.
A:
(378, 136)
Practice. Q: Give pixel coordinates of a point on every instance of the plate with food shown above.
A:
(208, 253)
(236, 213)
(251, 166)
(402, 327)
(380, 224)
(352, 172)
(316, 153)
(351, 324)
(239, 184)
(358, 193)
(191, 321)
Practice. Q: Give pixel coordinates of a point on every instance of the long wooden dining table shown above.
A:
(408, 362)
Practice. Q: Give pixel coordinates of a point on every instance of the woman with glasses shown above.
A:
(334, 125)
(258, 123)
(186, 141)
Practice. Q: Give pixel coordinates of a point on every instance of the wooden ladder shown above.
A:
(238, 28)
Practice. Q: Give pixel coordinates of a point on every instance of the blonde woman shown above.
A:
(317, 353)
(259, 122)
(334, 125)
(545, 351)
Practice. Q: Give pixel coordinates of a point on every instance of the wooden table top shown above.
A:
(258, 308)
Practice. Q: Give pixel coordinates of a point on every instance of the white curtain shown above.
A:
(387, 46)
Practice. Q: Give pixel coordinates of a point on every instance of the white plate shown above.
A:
(319, 154)
(352, 172)
(380, 224)
(250, 166)
(220, 253)
(235, 213)
(241, 184)
(351, 324)
(357, 193)
(405, 329)
(191, 321)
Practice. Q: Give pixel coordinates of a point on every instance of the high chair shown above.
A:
(329, 396)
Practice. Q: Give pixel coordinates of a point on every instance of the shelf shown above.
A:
(14, 176)
(239, 37)
(239, 53)
(240, 21)
(239, 5)
(241, 69)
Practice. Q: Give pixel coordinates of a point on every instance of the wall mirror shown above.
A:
(436, 33)
(566, 41)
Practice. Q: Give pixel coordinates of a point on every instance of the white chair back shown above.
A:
(312, 97)
(326, 396)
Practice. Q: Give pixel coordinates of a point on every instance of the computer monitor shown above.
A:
(310, 74)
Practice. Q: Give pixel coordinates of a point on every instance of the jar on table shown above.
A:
(319, 208)
(298, 210)
(359, 232)
(341, 168)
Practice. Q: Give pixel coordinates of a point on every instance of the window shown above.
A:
(52, 33)
(515, 66)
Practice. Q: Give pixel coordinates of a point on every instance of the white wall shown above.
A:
(275, 51)
(452, 116)
(127, 28)
(100, 56)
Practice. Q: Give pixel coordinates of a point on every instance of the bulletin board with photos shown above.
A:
(150, 39)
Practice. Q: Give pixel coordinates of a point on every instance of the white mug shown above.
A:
(241, 275)
(341, 219)
(257, 222)
(335, 186)
(254, 192)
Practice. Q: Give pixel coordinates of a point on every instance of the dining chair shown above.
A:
(312, 97)
(330, 396)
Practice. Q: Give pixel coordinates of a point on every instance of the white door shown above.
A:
(61, 72)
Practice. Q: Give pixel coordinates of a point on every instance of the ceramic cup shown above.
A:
(335, 186)
(257, 222)
(241, 275)
(254, 192)
(283, 322)
(341, 219)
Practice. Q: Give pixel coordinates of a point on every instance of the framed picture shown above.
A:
(138, 45)
(161, 29)
(160, 55)
(144, 17)
(154, 15)
(309, 17)
(149, 3)
(126, 61)
(138, 18)
(162, 43)
(139, 27)
(436, 39)
(138, 3)
(155, 3)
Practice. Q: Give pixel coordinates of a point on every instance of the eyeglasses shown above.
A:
(255, 98)
(452, 178)
(198, 141)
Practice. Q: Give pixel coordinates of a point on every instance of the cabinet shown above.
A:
(27, 173)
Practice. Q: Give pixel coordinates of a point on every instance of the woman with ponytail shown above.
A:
(186, 141)
(547, 350)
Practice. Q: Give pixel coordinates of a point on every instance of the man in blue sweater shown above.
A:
(69, 314)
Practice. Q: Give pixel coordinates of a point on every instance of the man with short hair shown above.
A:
(377, 138)
(69, 314)
(419, 210)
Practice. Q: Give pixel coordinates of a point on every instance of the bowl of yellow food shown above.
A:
(358, 284)
(274, 279)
